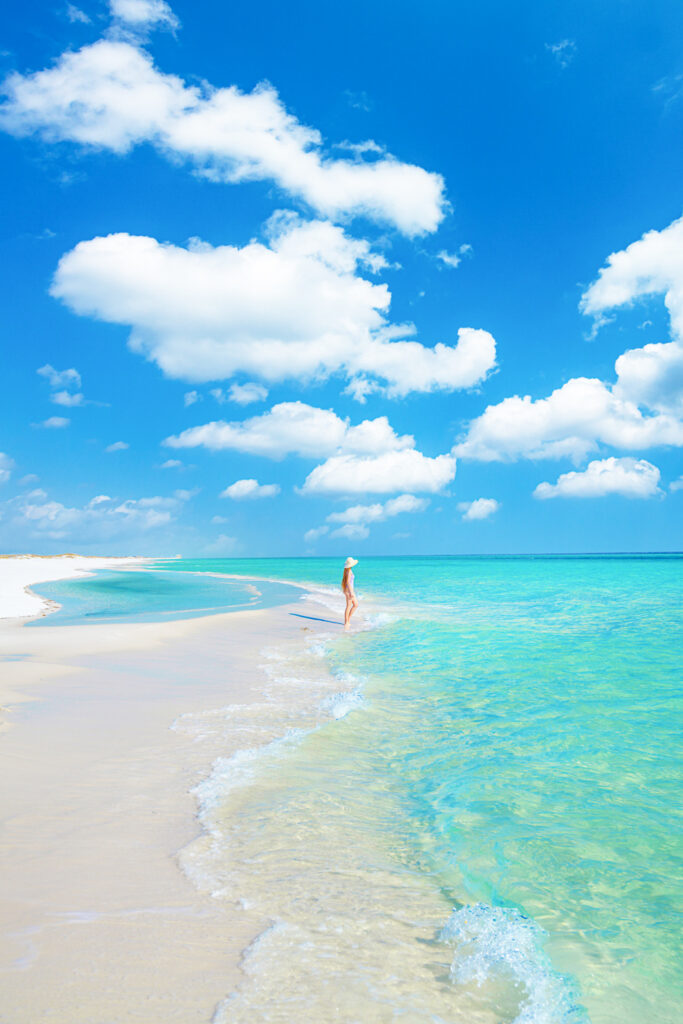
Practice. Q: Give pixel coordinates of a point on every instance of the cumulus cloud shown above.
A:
(641, 409)
(481, 508)
(571, 422)
(676, 485)
(241, 394)
(651, 266)
(454, 259)
(171, 464)
(249, 489)
(381, 474)
(6, 466)
(190, 397)
(626, 476)
(294, 428)
(68, 379)
(652, 376)
(294, 308)
(54, 423)
(245, 394)
(68, 398)
(109, 95)
(356, 520)
(143, 14)
(75, 14)
(117, 446)
(101, 518)
(311, 536)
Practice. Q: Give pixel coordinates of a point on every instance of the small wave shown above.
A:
(378, 619)
(493, 941)
(340, 704)
(229, 773)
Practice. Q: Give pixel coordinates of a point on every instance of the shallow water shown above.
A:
(144, 595)
(478, 819)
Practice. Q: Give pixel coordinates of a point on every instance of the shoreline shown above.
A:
(101, 917)
(18, 573)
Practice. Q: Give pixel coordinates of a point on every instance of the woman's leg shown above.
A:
(349, 611)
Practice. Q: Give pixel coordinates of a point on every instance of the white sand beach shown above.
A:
(100, 923)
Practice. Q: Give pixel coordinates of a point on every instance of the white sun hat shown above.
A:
(350, 562)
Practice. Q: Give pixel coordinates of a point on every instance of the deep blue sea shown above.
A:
(490, 828)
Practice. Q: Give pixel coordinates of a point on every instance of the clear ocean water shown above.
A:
(482, 820)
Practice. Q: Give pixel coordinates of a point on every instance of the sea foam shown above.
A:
(492, 942)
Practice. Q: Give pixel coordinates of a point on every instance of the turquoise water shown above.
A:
(496, 825)
(151, 596)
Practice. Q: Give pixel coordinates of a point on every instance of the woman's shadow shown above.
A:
(313, 618)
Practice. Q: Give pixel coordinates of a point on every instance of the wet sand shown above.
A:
(100, 924)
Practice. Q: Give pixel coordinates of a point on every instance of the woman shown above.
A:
(349, 592)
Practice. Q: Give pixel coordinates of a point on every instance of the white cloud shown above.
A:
(295, 308)
(481, 508)
(626, 476)
(294, 428)
(641, 409)
(54, 422)
(410, 366)
(101, 518)
(6, 466)
(352, 531)
(652, 376)
(318, 531)
(109, 95)
(75, 14)
(676, 485)
(249, 489)
(563, 52)
(378, 512)
(222, 545)
(117, 446)
(381, 474)
(571, 422)
(171, 464)
(69, 379)
(357, 519)
(360, 387)
(190, 397)
(651, 266)
(218, 519)
(142, 14)
(454, 259)
(68, 398)
(451, 259)
(244, 394)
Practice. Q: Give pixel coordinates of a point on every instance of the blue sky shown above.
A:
(291, 279)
